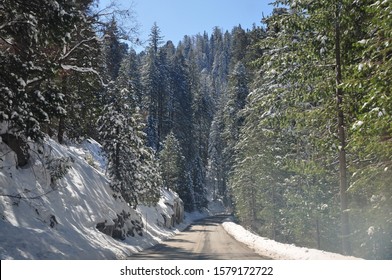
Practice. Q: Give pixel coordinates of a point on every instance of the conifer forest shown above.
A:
(289, 123)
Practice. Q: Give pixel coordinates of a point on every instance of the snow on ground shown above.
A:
(276, 250)
(40, 219)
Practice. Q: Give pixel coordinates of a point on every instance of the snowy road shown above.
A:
(205, 239)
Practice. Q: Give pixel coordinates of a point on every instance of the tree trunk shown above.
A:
(273, 214)
(318, 237)
(345, 230)
(61, 128)
(19, 146)
(160, 119)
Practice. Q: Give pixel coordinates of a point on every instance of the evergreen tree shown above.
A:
(202, 106)
(172, 163)
(182, 120)
(202, 53)
(199, 183)
(175, 172)
(278, 140)
(232, 119)
(371, 131)
(221, 61)
(239, 46)
(131, 166)
(154, 88)
(114, 50)
(216, 175)
(182, 114)
(33, 36)
(308, 82)
(79, 80)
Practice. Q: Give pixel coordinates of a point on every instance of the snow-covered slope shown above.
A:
(43, 218)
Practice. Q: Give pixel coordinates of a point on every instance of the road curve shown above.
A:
(204, 240)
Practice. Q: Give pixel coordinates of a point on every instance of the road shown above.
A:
(204, 240)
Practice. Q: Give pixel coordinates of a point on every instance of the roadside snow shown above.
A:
(42, 220)
(276, 250)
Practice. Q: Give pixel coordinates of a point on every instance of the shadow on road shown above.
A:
(165, 252)
(204, 239)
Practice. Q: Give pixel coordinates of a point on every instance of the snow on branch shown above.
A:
(83, 70)
(94, 38)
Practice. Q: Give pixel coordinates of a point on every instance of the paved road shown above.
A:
(204, 240)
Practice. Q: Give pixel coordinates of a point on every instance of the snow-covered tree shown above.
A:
(370, 134)
(32, 35)
(236, 97)
(216, 175)
(114, 50)
(172, 163)
(154, 89)
(49, 53)
(132, 167)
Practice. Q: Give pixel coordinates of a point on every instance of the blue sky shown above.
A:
(177, 18)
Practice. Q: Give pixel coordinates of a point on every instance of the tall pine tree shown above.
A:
(131, 164)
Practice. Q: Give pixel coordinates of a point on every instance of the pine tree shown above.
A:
(172, 163)
(32, 36)
(133, 171)
(199, 182)
(236, 97)
(154, 88)
(182, 114)
(307, 86)
(274, 140)
(114, 50)
(216, 175)
(371, 131)
(239, 46)
(202, 52)
(79, 80)
(220, 44)
(182, 121)
(202, 108)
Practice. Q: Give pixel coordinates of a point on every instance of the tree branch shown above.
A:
(84, 70)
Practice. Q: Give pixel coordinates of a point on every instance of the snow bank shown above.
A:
(42, 218)
(276, 250)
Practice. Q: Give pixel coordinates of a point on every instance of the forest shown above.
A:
(288, 123)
